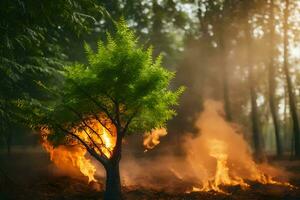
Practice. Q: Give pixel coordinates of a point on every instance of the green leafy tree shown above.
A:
(123, 83)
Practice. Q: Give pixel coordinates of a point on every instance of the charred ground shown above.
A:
(28, 175)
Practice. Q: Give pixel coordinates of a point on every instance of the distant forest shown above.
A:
(243, 53)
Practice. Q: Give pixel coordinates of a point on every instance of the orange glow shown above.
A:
(220, 156)
(73, 154)
(218, 150)
(151, 139)
(224, 175)
(71, 158)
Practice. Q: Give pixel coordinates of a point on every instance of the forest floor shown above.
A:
(24, 178)
(64, 188)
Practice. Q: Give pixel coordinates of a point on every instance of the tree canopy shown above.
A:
(122, 81)
(37, 39)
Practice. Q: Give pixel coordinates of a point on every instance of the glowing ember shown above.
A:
(73, 155)
(151, 139)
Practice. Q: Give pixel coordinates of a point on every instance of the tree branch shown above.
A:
(83, 121)
(117, 114)
(97, 118)
(103, 160)
(129, 120)
(94, 101)
(92, 140)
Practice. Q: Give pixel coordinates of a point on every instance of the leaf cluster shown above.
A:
(121, 80)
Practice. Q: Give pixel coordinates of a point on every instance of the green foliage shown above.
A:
(121, 80)
(164, 24)
(36, 41)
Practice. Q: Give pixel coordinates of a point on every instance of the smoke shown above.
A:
(217, 155)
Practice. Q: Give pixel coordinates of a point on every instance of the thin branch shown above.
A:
(117, 113)
(95, 102)
(92, 140)
(86, 16)
(92, 152)
(97, 118)
(83, 121)
(130, 119)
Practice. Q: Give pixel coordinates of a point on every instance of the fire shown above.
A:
(220, 156)
(71, 158)
(217, 149)
(151, 139)
(99, 136)
(224, 175)
(217, 157)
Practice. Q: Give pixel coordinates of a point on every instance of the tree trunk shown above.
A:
(226, 94)
(292, 101)
(7, 135)
(276, 125)
(113, 182)
(272, 83)
(223, 63)
(287, 145)
(251, 82)
(8, 144)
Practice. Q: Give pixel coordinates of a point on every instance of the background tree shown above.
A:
(126, 86)
(222, 43)
(37, 38)
(251, 81)
(292, 101)
(271, 79)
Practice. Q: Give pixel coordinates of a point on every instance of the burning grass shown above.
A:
(218, 156)
(217, 164)
(67, 188)
(48, 185)
(71, 157)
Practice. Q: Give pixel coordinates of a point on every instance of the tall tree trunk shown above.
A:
(113, 182)
(272, 83)
(288, 146)
(8, 139)
(251, 82)
(292, 100)
(226, 93)
(223, 62)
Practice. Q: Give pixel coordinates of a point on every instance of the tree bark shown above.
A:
(113, 182)
(251, 83)
(8, 143)
(292, 100)
(226, 94)
(272, 83)
(223, 62)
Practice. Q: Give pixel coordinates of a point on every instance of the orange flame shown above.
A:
(98, 136)
(220, 155)
(151, 139)
(218, 151)
(70, 157)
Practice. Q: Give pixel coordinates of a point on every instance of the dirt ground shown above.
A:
(65, 188)
(24, 177)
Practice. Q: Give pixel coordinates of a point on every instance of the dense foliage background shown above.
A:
(243, 53)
